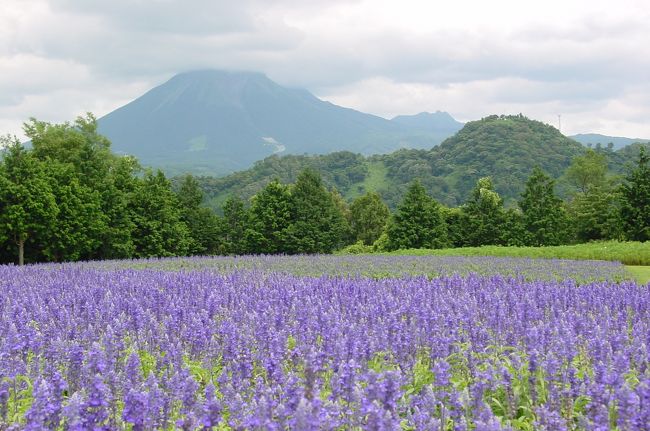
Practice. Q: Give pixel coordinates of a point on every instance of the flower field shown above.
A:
(382, 266)
(313, 343)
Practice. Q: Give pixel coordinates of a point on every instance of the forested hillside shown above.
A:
(506, 148)
(68, 197)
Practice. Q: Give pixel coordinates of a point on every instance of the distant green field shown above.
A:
(640, 273)
(375, 180)
(628, 253)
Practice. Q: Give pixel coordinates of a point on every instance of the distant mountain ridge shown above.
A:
(215, 122)
(618, 142)
(505, 148)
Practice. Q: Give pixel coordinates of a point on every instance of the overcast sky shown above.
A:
(588, 60)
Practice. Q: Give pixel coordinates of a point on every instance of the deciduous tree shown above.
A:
(368, 217)
(27, 204)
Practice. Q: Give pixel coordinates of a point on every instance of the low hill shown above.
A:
(503, 147)
(215, 122)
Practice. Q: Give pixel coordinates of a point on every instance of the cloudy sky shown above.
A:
(588, 60)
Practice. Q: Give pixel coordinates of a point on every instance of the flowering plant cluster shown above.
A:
(380, 266)
(84, 348)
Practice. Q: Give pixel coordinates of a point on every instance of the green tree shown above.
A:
(593, 207)
(635, 200)
(343, 208)
(158, 228)
(79, 225)
(233, 226)
(270, 217)
(84, 154)
(78, 144)
(120, 188)
(544, 216)
(202, 223)
(514, 231)
(454, 220)
(483, 216)
(368, 217)
(27, 204)
(587, 171)
(317, 224)
(594, 214)
(418, 222)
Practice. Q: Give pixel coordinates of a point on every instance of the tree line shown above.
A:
(68, 197)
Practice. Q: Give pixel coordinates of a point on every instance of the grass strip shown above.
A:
(628, 253)
(640, 273)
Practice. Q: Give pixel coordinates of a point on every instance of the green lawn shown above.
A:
(628, 253)
(640, 273)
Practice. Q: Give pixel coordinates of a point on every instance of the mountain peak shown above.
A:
(216, 87)
(218, 121)
(439, 121)
(220, 77)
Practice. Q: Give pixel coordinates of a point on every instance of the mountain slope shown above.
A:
(216, 122)
(503, 147)
(432, 122)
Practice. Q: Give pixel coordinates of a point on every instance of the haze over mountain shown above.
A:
(216, 122)
(594, 139)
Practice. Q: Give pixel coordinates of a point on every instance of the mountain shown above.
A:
(593, 139)
(503, 147)
(216, 122)
(436, 122)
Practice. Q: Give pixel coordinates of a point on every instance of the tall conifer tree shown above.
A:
(317, 224)
(418, 222)
(544, 216)
(635, 201)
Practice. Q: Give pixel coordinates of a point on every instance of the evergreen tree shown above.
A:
(368, 217)
(270, 217)
(233, 226)
(483, 216)
(635, 201)
(418, 222)
(514, 231)
(202, 223)
(27, 204)
(594, 214)
(454, 221)
(121, 184)
(158, 228)
(544, 216)
(317, 224)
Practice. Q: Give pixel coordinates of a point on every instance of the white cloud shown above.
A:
(586, 59)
